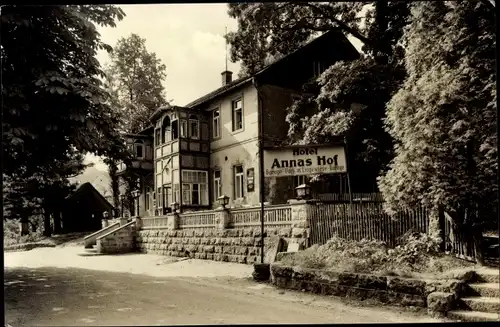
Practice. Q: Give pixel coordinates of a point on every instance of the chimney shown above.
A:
(227, 77)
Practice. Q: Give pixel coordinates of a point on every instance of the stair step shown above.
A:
(473, 316)
(482, 304)
(485, 289)
(487, 275)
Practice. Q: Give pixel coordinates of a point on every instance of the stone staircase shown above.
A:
(480, 300)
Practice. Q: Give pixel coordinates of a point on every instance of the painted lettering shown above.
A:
(322, 160)
(304, 151)
(276, 164)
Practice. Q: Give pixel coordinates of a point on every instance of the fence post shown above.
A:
(301, 217)
(222, 218)
(138, 222)
(173, 221)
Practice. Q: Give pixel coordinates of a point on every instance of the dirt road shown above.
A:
(44, 287)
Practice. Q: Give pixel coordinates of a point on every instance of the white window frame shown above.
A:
(187, 186)
(195, 136)
(136, 148)
(216, 128)
(217, 184)
(234, 110)
(184, 128)
(240, 176)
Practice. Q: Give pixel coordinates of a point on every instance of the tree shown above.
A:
(443, 117)
(325, 112)
(54, 105)
(134, 79)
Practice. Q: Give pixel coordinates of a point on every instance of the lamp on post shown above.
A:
(105, 215)
(121, 204)
(136, 194)
(223, 200)
(175, 207)
(303, 192)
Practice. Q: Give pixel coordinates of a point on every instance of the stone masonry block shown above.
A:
(209, 248)
(406, 286)
(210, 256)
(247, 241)
(218, 249)
(242, 250)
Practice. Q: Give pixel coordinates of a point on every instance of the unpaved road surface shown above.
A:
(153, 290)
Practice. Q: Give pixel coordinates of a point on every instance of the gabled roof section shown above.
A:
(166, 108)
(241, 81)
(86, 190)
(221, 90)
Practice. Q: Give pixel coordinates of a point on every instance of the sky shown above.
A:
(187, 38)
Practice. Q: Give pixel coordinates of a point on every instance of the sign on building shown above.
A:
(306, 160)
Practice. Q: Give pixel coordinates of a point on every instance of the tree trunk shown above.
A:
(57, 222)
(46, 223)
(477, 238)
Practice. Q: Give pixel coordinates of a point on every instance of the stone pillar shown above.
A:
(123, 221)
(173, 221)
(138, 223)
(222, 218)
(105, 223)
(301, 215)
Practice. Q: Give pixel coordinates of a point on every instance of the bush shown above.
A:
(415, 253)
(12, 234)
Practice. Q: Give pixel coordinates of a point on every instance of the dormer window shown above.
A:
(139, 149)
(194, 127)
(165, 130)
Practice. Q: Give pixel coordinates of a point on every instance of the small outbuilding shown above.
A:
(83, 210)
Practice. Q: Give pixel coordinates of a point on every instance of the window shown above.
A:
(139, 149)
(216, 123)
(165, 130)
(147, 198)
(175, 130)
(194, 187)
(318, 68)
(158, 191)
(184, 128)
(194, 127)
(237, 115)
(299, 180)
(238, 182)
(217, 185)
(157, 136)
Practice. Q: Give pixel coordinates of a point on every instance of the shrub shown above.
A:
(12, 234)
(415, 253)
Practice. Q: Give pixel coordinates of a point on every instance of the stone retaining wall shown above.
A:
(120, 240)
(230, 245)
(385, 289)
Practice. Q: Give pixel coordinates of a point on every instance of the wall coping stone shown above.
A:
(116, 230)
(402, 291)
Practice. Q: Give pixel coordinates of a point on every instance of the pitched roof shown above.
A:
(226, 88)
(221, 90)
(84, 191)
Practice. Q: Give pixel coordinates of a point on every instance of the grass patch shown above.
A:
(416, 256)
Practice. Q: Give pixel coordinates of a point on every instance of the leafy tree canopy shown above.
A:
(325, 110)
(55, 108)
(134, 79)
(443, 117)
